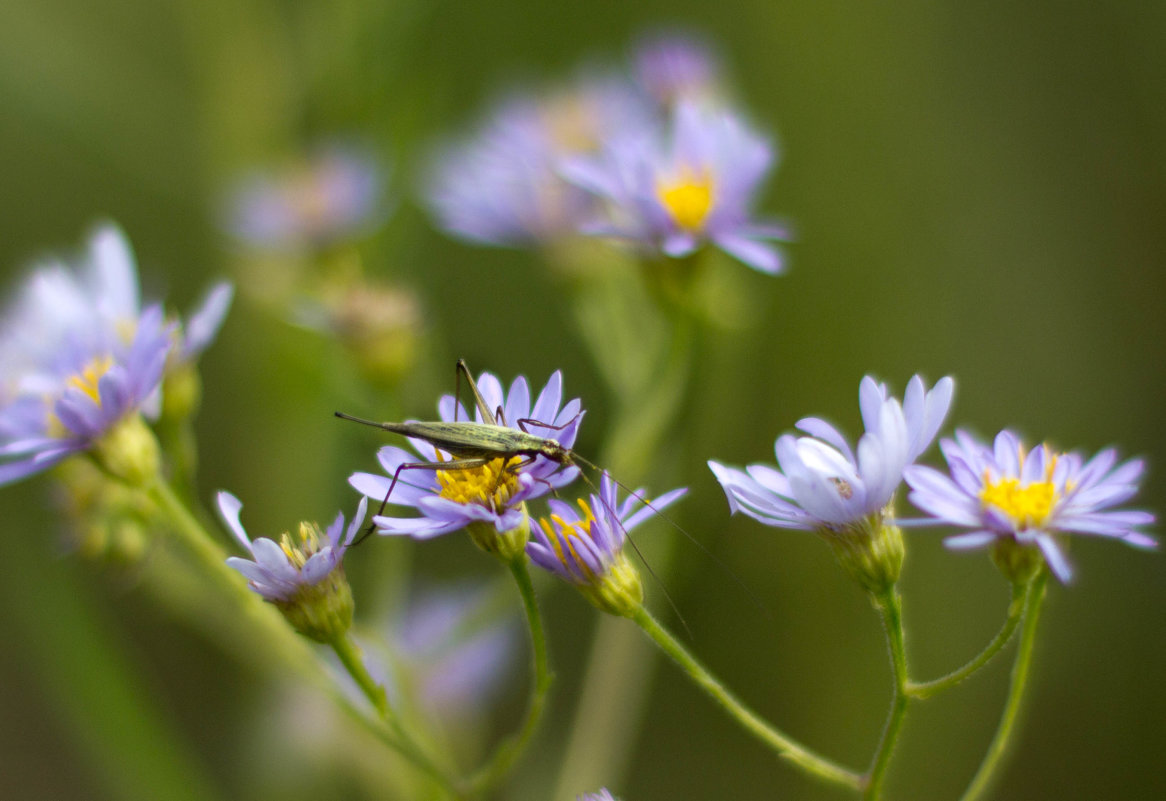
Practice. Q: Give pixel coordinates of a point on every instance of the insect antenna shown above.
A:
(597, 493)
(749, 593)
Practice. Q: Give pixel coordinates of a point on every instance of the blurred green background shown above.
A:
(979, 189)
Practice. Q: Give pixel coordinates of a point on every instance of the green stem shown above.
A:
(785, 746)
(349, 655)
(1020, 670)
(925, 689)
(283, 643)
(511, 749)
(190, 533)
(891, 608)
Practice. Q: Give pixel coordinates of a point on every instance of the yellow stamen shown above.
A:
(563, 537)
(89, 377)
(688, 197)
(308, 546)
(492, 485)
(1030, 505)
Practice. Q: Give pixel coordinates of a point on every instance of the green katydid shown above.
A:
(473, 444)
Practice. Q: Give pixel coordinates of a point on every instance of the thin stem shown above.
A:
(891, 608)
(349, 655)
(284, 643)
(191, 534)
(925, 689)
(1020, 670)
(784, 745)
(511, 749)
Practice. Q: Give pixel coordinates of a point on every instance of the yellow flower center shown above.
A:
(492, 485)
(688, 198)
(563, 538)
(89, 377)
(308, 546)
(1029, 505)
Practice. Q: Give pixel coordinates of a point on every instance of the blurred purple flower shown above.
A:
(337, 192)
(450, 654)
(493, 494)
(79, 354)
(602, 795)
(674, 68)
(1002, 492)
(672, 191)
(500, 185)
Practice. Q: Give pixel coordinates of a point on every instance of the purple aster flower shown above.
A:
(303, 577)
(676, 67)
(501, 185)
(587, 549)
(672, 191)
(453, 655)
(95, 380)
(822, 483)
(337, 192)
(280, 570)
(80, 355)
(1004, 493)
(602, 795)
(491, 495)
(112, 259)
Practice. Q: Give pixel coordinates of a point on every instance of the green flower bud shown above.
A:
(870, 549)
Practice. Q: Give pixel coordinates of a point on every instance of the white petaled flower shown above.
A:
(1007, 495)
(842, 494)
(821, 482)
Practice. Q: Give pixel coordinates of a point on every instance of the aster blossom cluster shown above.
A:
(81, 354)
(655, 157)
(648, 164)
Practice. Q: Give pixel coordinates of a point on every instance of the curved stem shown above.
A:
(191, 534)
(283, 643)
(511, 749)
(891, 608)
(785, 746)
(349, 655)
(925, 689)
(992, 759)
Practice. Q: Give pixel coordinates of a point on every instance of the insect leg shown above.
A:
(528, 421)
(453, 464)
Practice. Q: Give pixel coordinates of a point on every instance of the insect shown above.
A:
(473, 444)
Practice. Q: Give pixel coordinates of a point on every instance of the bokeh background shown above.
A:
(979, 190)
